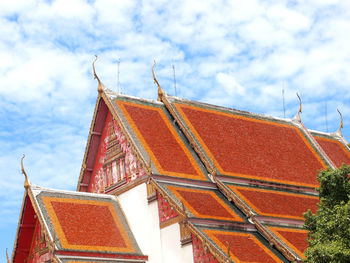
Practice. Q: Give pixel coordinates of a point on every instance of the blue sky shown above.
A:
(239, 54)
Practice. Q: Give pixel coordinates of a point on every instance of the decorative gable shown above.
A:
(31, 242)
(39, 249)
(115, 162)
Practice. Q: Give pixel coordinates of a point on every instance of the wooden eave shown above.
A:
(23, 207)
(29, 197)
(93, 142)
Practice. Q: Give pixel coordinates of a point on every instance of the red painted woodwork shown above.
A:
(254, 148)
(39, 251)
(335, 150)
(165, 211)
(125, 169)
(97, 181)
(25, 234)
(200, 254)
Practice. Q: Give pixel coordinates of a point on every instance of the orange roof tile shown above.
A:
(276, 203)
(88, 225)
(294, 238)
(244, 247)
(335, 150)
(244, 146)
(204, 203)
(161, 141)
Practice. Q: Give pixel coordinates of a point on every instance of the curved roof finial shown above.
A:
(26, 182)
(53, 244)
(149, 166)
(341, 124)
(100, 85)
(160, 90)
(300, 109)
(228, 251)
(7, 256)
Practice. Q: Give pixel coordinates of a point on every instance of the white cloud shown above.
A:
(288, 19)
(230, 85)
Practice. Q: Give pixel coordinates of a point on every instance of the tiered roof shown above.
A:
(73, 227)
(233, 177)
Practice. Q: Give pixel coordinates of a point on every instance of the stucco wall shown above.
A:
(160, 245)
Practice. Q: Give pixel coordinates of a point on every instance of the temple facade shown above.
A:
(176, 180)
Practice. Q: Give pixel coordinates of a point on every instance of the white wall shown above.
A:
(171, 246)
(161, 246)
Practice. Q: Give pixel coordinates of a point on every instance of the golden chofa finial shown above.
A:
(160, 90)
(228, 251)
(26, 182)
(341, 124)
(100, 85)
(297, 117)
(7, 256)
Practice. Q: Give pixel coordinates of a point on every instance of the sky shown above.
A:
(239, 54)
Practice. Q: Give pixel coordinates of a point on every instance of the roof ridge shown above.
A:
(113, 95)
(233, 110)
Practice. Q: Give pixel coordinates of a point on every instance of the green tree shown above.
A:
(329, 228)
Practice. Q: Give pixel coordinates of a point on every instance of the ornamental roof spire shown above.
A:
(297, 117)
(160, 90)
(341, 124)
(26, 182)
(7, 256)
(101, 87)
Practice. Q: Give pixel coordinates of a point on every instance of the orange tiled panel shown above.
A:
(294, 238)
(204, 203)
(244, 247)
(335, 150)
(274, 203)
(88, 225)
(163, 144)
(253, 148)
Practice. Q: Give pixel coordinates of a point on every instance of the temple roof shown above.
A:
(334, 146)
(235, 177)
(251, 146)
(77, 226)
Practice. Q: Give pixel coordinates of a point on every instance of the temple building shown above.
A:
(180, 181)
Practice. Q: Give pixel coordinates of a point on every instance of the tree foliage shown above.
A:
(329, 228)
